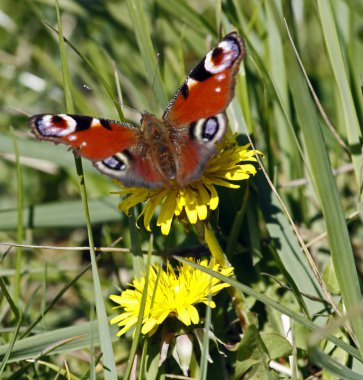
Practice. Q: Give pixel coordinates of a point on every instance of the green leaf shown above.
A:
(277, 346)
(252, 352)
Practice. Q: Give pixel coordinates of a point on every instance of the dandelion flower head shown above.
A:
(193, 202)
(170, 293)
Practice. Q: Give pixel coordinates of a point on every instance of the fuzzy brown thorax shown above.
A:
(157, 138)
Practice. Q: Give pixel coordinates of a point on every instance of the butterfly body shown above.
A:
(175, 147)
(161, 145)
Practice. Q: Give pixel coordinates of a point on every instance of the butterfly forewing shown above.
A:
(92, 138)
(209, 87)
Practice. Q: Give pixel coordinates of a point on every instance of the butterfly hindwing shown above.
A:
(92, 138)
(210, 86)
(196, 144)
(132, 167)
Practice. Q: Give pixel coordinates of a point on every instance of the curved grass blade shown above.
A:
(274, 304)
(109, 367)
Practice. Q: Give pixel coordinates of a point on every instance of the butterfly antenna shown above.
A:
(154, 79)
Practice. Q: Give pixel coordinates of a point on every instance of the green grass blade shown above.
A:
(184, 12)
(138, 327)
(18, 317)
(290, 159)
(65, 72)
(203, 365)
(19, 229)
(56, 298)
(30, 149)
(326, 190)
(99, 76)
(143, 37)
(78, 337)
(109, 370)
(137, 254)
(69, 214)
(287, 245)
(325, 361)
(275, 305)
(103, 325)
(346, 99)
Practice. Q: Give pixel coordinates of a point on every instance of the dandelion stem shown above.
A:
(236, 296)
(214, 247)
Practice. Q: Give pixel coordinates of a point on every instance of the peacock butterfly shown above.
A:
(175, 147)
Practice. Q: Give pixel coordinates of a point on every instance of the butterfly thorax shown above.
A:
(158, 141)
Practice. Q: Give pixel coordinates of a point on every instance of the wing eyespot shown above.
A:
(53, 125)
(118, 163)
(209, 130)
(222, 56)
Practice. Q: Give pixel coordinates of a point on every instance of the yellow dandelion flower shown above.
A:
(193, 201)
(174, 293)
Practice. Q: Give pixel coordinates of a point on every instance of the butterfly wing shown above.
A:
(133, 167)
(209, 87)
(92, 138)
(197, 109)
(116, 148)
(196, 144)
(195, 118)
